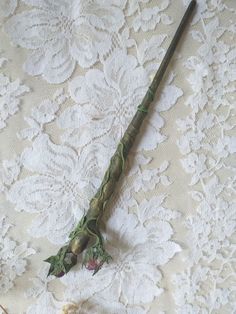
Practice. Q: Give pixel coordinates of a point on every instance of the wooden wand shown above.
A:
(86, 235)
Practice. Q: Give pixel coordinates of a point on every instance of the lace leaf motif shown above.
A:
(10, 92)
(12, 257)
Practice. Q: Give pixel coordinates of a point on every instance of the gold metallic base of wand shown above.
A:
(86, 235)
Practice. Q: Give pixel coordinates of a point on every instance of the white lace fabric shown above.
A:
(72, 75)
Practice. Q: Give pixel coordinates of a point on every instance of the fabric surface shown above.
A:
(72, 73)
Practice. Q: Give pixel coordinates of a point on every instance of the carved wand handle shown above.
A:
(87, 235)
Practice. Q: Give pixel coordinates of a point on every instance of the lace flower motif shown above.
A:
(12, 257)
(138, 245)
(45, 300)
(107, 102)
(61, 189)
(63, 33)
(149, 18)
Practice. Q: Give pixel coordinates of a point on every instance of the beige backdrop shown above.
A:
(72, 74)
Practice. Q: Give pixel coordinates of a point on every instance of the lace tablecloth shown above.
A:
(72, 75)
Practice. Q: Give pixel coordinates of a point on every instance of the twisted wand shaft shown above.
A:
(86, 235)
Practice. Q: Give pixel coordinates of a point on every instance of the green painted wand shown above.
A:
(86, 235)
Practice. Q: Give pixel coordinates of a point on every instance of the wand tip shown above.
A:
(193, 3)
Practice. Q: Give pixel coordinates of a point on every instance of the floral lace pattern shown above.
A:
(12, 257)
(93, 61)
(138, 243)
(148, 19)
(135, 254)
(206, 284)
(65, 33)
(10, 93)
(107, 101)
(60, 191)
